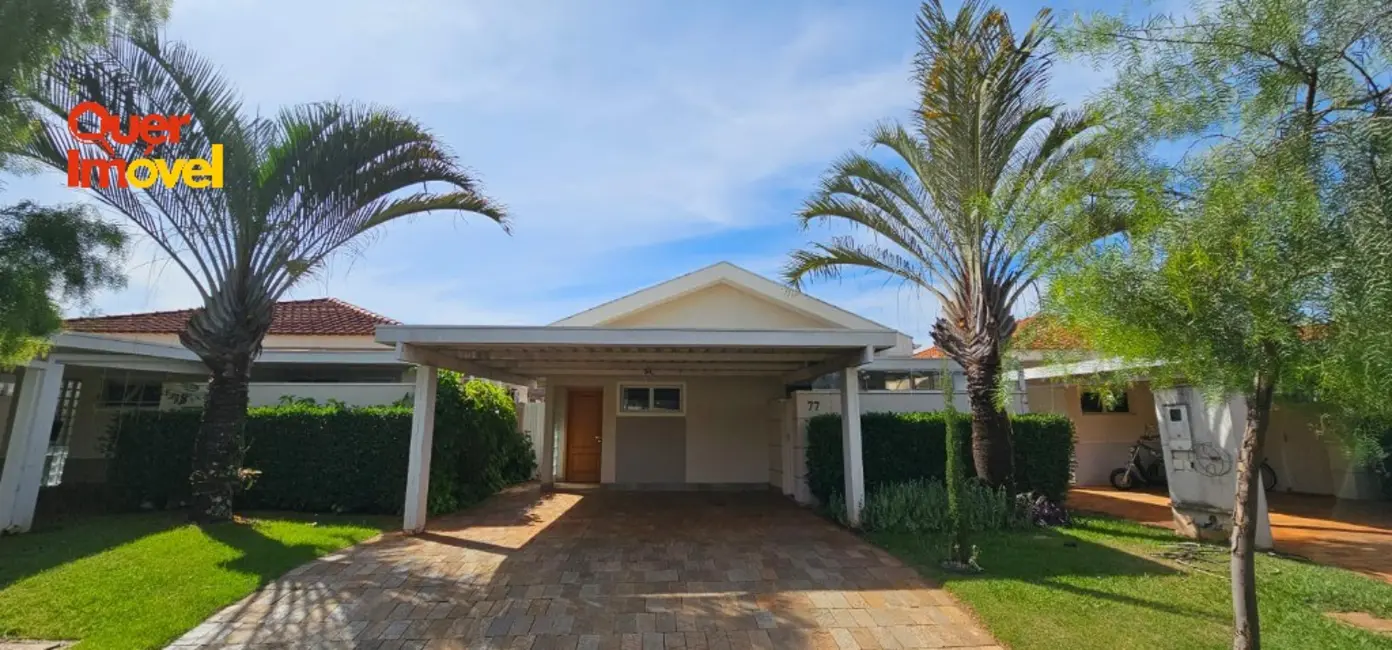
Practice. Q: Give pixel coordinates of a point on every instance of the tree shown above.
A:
(64, 251)
(1265, 266)
(33, 34)
(967, 210)
(297, 188)
(47, 252)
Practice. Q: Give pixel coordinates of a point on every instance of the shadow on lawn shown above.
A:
(264, 557)
(56, 541)
(1054, 560)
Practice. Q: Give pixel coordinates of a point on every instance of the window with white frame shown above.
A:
(652, 399)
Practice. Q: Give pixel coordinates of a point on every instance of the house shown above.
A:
(700, 382)
(704, 381)
(1057, 367)
(319, 349)
(1036, 342)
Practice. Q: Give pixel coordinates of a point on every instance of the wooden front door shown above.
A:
(584, 439)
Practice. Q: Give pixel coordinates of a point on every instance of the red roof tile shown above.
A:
(315, 317)
(1031, 333)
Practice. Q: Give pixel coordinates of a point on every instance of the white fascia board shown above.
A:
(910, 363)
(98, 343)
(327, 356)
(1089, 367)
(426, 356)
(74, 344)
(130, 362)
(446, 335)
(727, 273)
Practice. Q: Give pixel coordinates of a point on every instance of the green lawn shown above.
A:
(141, 580)
(1102, 584)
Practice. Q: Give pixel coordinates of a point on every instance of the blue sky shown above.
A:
(632, 140)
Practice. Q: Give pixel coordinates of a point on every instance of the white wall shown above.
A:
(729, 423)
(1204, 489)
(728, 428)
(1103, 439)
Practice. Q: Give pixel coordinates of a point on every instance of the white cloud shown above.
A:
(608, 128)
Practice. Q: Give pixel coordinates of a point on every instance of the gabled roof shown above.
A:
(715, 274)
(314, 317)
(1031, 333)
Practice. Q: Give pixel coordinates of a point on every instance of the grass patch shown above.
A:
(141, 580)
(1103, 584)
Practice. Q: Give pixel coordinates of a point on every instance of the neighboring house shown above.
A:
(1037, 342)
(1056, 365)
(321, 349)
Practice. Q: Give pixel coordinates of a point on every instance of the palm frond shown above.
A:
(964, 210)
(296, 189)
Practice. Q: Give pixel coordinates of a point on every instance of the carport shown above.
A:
(641, 356)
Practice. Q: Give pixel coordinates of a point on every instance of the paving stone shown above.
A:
(603, 571)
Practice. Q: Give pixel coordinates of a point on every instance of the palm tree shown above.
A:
(967, 212)
(297, 188)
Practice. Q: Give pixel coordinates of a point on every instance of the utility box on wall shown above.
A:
(1175, 426)
(1201, 440)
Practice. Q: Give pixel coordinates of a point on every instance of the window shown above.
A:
(117, 393)
(651, 400)
(927, 380)
(1094, 402)
(884, 380)
(901, 380)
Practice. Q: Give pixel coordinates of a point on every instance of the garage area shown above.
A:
(607, 569)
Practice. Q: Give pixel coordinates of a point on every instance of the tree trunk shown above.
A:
(217, 458)
(1246, 631)
(990, 441)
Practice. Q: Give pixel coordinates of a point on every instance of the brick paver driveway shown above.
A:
(604, 569)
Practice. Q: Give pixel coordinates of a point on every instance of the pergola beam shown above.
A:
(600, 371)
(550, 336)
(859, 358)
(430, 357)
(628, 355)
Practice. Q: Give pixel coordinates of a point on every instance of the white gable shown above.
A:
(720, 296)
(721, 306)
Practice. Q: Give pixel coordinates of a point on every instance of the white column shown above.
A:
(422, 437)
(547, 471)
(854, 465)
(36, 406)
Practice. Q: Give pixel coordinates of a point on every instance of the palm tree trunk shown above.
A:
(990, 443)
(1246, 630)
(217, 458)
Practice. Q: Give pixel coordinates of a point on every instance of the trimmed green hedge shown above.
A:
(904, 447)
(334, 458)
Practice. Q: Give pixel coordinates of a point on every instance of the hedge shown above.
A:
(317, 458)
(904, 447)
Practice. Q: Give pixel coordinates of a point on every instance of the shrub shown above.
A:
(921, 507)
(907, 447)
(334, 458)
